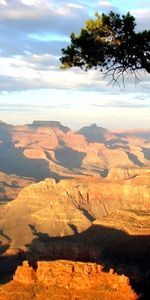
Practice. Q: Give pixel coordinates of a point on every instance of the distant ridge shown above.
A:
(94, 133)
(45, 149)
(139, 132)
(52, 124)
(4, 124)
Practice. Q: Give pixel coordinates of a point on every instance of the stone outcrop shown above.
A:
(25, 274)
(127, 173)
(77, 275)
(80, 278)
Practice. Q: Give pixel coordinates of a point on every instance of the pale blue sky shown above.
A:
(32, 86)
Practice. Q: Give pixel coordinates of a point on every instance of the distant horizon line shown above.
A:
(113, 130)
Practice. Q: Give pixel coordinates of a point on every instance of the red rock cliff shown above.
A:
(80, 278)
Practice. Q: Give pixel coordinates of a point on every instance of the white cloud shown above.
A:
(3, 2)
(78, 6)
(42, 71)
(23, 10)
(32, 2)
(30, 63)
(106, 6)
(105, 3)
(142, 18)
(24, 78)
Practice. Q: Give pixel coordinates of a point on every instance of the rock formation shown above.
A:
(95, 134)
(67, 280)
(127, 173)
(51, 124)
(49, 149)
(11, 185)
(25, 274)
(134, 223)
(69, 207)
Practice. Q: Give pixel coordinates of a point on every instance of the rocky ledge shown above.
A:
(66, 280)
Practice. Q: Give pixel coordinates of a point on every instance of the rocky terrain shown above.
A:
(11, 185)
(48, 149)
(70, 206)
(66, 280)
(92, 205)
(97, 219)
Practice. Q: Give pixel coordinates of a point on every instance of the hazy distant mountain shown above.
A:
(51, 124)
(95, 134)
(141, 133)
(49, 149)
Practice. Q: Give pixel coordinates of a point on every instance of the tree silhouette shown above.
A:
(111, 44)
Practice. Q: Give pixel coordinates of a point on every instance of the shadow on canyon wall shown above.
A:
(69, 158)
(146, 152)
(113, 248)
(134, 159)
(110, 243)
(13, 161)
(109, 247)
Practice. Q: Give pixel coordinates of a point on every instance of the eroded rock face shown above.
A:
(127, 173)
(25, 274)
(69, 207)
(11, 185)
(76, 276)
(49, 149)
(64, 249)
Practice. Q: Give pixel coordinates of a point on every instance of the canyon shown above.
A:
(94, 219)
(74, 201)
(70, 206)
(48, 149)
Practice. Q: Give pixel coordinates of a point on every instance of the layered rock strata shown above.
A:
(69, 207)
(49, 149)
(67, 280)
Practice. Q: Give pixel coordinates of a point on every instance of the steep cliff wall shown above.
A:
(68, 207)
(66, 280)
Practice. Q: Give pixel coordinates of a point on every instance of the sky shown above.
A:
(32, 85)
